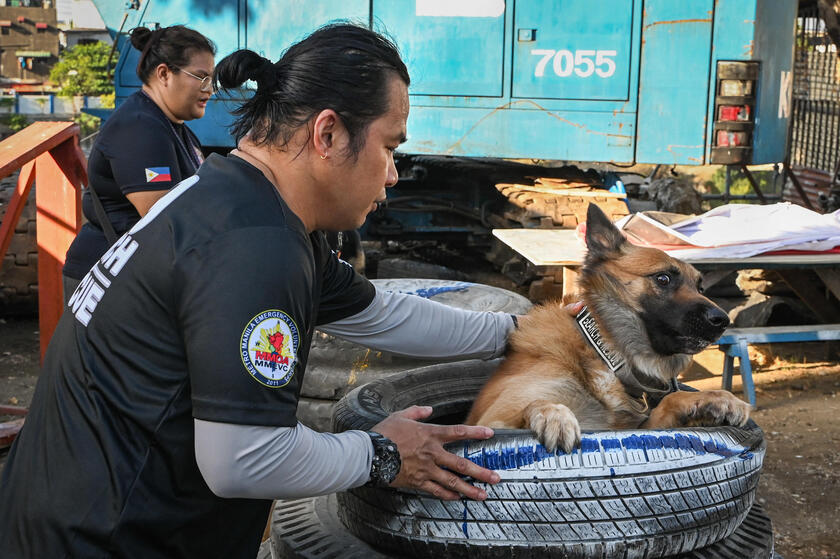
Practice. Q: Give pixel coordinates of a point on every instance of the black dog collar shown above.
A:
(628, 376)
(592, 334)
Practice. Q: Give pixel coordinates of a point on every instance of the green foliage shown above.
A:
(7, 102)
(15, 122)
(109, 100)
(82, 70)
(739, 184)
(87, 123)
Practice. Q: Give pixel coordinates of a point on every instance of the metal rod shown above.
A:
(754, 184)
(114, 46)
(727, 183)
(789, 172)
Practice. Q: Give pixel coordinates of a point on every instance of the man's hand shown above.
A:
(423, 457)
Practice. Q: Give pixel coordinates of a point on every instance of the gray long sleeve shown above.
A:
(258, 462)
(410, 325)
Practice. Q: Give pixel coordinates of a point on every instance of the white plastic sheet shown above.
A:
(740, 230)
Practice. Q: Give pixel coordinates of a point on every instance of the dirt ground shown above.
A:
(798, 408)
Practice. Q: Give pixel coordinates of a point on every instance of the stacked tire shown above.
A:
(335, 366)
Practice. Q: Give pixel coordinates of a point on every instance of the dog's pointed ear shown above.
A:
(602, 237)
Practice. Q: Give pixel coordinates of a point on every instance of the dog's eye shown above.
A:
(663, 280)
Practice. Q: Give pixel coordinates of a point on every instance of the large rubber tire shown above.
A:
(19, 271)
(336, 366)
(310, 529)
(637, 493)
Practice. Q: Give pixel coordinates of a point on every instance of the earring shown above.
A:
(324, 156)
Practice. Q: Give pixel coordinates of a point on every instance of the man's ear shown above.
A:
(602, 237)
(327, 131)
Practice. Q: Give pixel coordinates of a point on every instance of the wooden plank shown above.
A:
(570, 279)
(831, 279)
(807, 287)
(544, 247)
(58, 220)
(769, 261)
(37, 138)
(12, 410)
(550, 248)
(570, 183)
(712, 277)
(581, 191)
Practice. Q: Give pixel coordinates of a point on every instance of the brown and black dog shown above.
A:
(645, 316)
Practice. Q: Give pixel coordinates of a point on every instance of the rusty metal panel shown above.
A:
(774, 18)
(673, 90)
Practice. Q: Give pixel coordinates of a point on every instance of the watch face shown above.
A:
(390, 466)
(386, 461)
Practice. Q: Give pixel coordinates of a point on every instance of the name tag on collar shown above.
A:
(590, 330)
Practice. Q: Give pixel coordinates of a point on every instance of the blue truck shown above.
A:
(671, 82)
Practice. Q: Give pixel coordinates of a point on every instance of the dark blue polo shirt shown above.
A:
(137, 149)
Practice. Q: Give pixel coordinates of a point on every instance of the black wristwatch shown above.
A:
(386, 461)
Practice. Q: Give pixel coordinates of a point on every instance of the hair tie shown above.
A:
(267, 76)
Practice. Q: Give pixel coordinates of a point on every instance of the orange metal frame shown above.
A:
(47, 153)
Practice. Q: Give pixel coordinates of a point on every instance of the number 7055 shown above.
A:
(564, 62)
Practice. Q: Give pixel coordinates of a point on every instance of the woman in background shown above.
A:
(144, 148)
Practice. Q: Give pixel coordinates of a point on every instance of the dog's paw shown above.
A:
(699, 409)
(554, 424)
(718, 407)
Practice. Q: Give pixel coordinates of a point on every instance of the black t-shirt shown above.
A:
(138, 149)
(204, 309)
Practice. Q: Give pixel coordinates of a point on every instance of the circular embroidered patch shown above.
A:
(269, 348)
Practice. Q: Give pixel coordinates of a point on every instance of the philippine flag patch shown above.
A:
(158, 174)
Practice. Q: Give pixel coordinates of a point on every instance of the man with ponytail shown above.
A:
(164, 419)
(144, 148)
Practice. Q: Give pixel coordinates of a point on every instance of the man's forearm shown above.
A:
(259, 462)
(414, 326)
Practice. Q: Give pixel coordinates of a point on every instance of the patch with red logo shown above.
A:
(269, 347)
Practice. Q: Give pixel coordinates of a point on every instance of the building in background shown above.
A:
(79, 23)
(29, 41)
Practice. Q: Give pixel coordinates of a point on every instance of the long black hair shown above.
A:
(343, 67)
(173, 46)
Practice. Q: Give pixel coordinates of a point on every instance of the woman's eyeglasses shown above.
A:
(206, 81)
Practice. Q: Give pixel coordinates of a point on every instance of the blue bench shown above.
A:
(734, 344)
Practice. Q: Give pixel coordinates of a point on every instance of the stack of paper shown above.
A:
(735, 231)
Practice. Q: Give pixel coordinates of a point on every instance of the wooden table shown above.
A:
(556, 255)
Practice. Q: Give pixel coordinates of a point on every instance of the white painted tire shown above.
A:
(638, 493)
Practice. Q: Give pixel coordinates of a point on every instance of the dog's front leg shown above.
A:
(554, 424)
(698, 409)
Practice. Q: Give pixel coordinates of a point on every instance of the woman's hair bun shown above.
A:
(140, 37)
(243, 65)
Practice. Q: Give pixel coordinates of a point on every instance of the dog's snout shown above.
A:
(717, 318)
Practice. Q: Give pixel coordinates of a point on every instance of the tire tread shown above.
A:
(647, 494)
